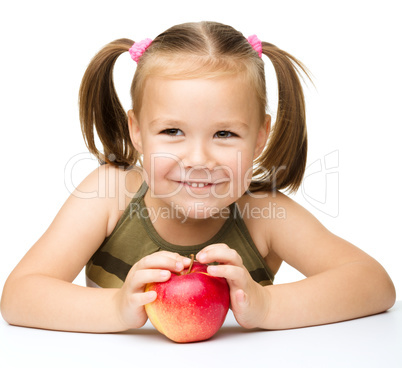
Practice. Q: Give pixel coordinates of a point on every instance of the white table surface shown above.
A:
(374, 341)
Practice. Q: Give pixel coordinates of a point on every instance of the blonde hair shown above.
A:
(191, 50)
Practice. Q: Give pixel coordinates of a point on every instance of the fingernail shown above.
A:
(212, 270)
(202, 257)
(165, 273)
(241, 297)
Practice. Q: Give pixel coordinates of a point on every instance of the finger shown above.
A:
(241, 298)
(143, 277)
(240, 304)
(140, 299)
(163, 260)
(174, 256)
(171, 255)
(214, 246)
(241, 310)
(178, 257)
(220, 253)
(237, 277)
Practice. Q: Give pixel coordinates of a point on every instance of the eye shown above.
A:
(225, 134)
(172, 132)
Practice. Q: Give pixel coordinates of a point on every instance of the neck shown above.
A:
(177, 228)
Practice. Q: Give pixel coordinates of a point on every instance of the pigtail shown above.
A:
(99, 106)
(283, 162)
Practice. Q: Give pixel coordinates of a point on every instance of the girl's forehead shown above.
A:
(200, 75)
(197, 67)
(200, 99)
(230, 89)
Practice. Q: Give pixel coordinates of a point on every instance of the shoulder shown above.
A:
(112, 188)
(110, 182)
(81, 224)
(260, 210)
(273, 208)
(274, 220)
(291, 233)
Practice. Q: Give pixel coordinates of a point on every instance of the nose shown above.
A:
(198, 155)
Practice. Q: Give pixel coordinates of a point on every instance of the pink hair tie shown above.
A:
(256, 44)
(139, 48)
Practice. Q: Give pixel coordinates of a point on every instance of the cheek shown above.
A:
(247, 173)
(239, 168)
(160, 166)
(243, 163)
(246, 168)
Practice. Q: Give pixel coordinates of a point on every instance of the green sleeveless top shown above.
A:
(134, 237)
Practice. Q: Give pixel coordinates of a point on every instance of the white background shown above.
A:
(352, 48)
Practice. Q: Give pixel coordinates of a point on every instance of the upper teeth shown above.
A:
(197, 185)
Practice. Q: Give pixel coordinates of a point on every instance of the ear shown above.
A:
(134, 128)
(262, 137)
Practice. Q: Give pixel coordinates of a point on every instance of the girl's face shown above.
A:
(198, 138)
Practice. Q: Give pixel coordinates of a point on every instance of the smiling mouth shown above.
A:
(197, 185)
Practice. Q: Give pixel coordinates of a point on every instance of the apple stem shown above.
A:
(191, 264)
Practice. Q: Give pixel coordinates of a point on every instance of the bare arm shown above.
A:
(342, 282)
(39, 292)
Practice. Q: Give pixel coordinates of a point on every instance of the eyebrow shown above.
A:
(164, 121)
(219, 124)
(231, 123)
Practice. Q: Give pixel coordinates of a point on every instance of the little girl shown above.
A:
(194, 167)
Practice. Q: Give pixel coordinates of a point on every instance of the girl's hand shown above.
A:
(249, 300)
(131, 298)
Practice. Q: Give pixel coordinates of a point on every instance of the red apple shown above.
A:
(190, 306)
